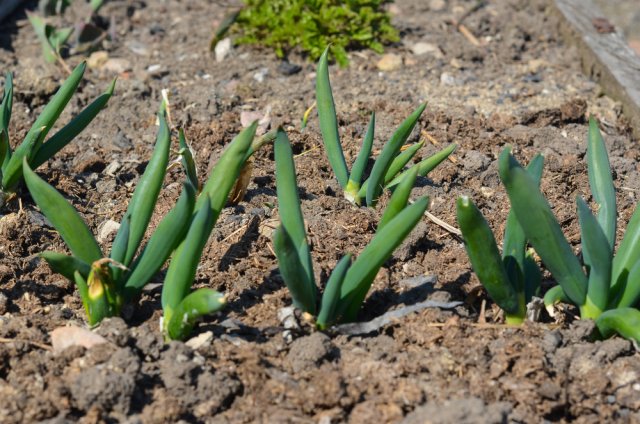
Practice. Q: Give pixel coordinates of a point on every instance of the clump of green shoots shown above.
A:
(388, 168)
(513, 277)
(33, 149)
(183, 307)
(349, 282)
(605, 287)
(105, 283)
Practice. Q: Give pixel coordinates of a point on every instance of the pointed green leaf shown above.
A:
(63, 217)
(401, 160)
(329, 121)
(331, 296)
(5, 117)
(389, 152)
(426, 165)
(601, 182)
(144, 197)
(485, 258)
(170, 232)
(597, 255)
(399, 198)
(33, 140)
(225, 173)
(541, 228)
(196, 305)
(40, 28)
(365, 268)
(291, 215)
(623, 321)
(72, 129)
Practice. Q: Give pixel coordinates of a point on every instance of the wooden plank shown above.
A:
(606, 56)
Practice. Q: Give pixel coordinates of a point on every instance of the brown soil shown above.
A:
(522, 87)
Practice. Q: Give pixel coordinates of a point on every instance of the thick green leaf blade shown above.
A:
(33, 140)
(365, 268)
(541, 228)
(170, 232)
(184, 264)
(631, 293)
(4, 148)
(291, 215)
(627, 256)
(331, 295)
(601, 182)
(144, 197)
(63, 217)
(72, 129)
(426, 165)
(514, 241)
(66, 265)
(193, 307)
(357, 170)
(389, 152)
(486, 260)
(597, 255)
(532, 278)
(623, 321)
(329, 121)
(399, 198)
(401, 160)
(225, 173)
(293, 272)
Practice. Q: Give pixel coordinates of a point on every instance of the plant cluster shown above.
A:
(83, 36)
(605, 286)
(312, 25)
(33, 149)
(388, 168)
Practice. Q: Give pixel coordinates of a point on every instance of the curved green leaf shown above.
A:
(66, 265)
(631, 293)
(196, 305)
(623, 321)
(329, 121)
(365, 268)
(357, 170)
(486, 260)
(627, 256)
(5, 117)
(399, 198)
(72, 129)
(426, 165)
(601, 182)
(389, 152)
(63, 217)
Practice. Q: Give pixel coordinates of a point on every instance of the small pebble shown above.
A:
(222, 50)
(261, 74)
(287, 68)
(389, 62)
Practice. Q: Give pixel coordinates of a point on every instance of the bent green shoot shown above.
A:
(34, 149)
(388, 167)
(350, 281)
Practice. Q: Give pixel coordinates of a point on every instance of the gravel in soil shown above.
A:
(521, 86)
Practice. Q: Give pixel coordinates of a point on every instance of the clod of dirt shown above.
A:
(115, 330)
(309, 351)
(460, 411)
(107, 384)
(3, 303)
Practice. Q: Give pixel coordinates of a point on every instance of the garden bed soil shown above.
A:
(522, 86)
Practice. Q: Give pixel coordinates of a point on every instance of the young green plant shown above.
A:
(388, 167)
(181, 306)
(33, 149)
(513, 278)
(349, 282)
(105, 283)
(605, 287)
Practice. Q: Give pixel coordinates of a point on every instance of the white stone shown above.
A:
(223, 48)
